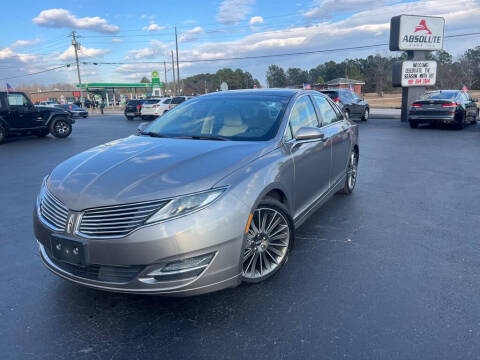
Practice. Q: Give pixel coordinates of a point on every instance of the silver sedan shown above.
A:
(207, 196)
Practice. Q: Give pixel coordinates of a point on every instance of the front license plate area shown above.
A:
(68, 250)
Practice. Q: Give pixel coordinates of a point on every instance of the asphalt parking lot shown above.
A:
(390, 272)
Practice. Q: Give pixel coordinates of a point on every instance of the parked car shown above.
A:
(353, 105)
(153, 108)
(73, 110)
(48, 103)
(19, 116)
(205, 197)
(133, 109)
(454, 107)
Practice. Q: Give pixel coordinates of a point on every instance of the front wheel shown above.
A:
(366, 115)
(60, 128)
(351, 176)
(269, 240)
(347, 114)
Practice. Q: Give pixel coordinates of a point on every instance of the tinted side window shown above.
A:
(327, 114)
(303, 114)
(16, 100)
(178, 100)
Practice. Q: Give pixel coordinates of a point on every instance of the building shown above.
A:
(341, 83)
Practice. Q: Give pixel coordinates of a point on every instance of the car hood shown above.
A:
(140, 168)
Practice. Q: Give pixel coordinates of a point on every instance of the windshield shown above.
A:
(444, 95)
(236, 117)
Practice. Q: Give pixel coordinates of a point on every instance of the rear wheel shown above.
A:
(129, 118)
(60, 128)
(413, 124)
(3, 134)
(352, 171)
(475, 119)
(269, 240)
(366, 114)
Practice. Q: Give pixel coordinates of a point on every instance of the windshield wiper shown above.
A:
(201, 137)
(152, 134)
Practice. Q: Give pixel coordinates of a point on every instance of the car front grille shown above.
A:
(116, 221)
(53, 211)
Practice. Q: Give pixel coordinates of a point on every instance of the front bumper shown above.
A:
(217, 229)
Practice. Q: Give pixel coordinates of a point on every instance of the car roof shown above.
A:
(277, 92)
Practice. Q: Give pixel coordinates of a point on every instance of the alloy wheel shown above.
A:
(268, 240)
(62, 128)
(366, 114)
(352, 170)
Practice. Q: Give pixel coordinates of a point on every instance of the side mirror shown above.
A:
(309, 133)
(142, 127)
(475, 99)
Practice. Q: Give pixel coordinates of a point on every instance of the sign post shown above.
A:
(416, 35)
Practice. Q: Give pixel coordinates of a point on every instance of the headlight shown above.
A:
(185, 204)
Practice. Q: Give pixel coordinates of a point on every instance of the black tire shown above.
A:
(165, 111)
(275, 206)
(475, 119)
(366, 114)
(129, 118)
(3, 134)
(347, 114)
(85, 116)
(413, 124)
(144, 118)
(42, 133)
(60, 128)
(351, 173)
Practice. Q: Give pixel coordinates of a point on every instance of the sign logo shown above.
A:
(423, 27)
(71, 223)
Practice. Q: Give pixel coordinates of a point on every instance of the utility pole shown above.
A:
(173, 72)
(176, 47)
(76, 45)
(165, 71)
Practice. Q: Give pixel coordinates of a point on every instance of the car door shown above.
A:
(21, 112)
(311, 158)
(357, 104)
(335, 128)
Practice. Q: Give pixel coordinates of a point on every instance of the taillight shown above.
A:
(337, 100)
(416, 105)
(139, 107)
(450, 105)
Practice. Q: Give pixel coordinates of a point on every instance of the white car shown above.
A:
(153, 108)
(48, 103)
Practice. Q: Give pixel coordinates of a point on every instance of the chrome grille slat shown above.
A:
(53, 211)
(116, 221)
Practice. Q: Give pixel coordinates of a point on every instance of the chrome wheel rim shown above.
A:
(365, 116)
(268, 239)
(61, 128)
(347, 115)
(352, 170)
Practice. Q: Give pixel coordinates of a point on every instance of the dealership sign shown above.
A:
(414, 73)
(412, 32)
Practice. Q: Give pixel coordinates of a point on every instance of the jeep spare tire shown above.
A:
(60, 128)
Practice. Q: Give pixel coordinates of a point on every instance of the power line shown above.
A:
(35, 73)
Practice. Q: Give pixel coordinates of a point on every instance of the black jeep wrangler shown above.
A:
(19, 116)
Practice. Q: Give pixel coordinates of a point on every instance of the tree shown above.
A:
(296, 76)
(276, 76)
(145, 80)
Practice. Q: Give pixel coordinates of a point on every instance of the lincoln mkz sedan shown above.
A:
(205, 197)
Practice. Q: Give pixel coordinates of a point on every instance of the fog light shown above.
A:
(180, 269)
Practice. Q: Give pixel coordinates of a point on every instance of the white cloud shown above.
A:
(153, 27)
(20, 43)
(255, 20)
(191, 34)
(189, 22)
(61, 18)
(234, 11)
(155, 49)
(116, 40)
(325, 8)
(69, 54)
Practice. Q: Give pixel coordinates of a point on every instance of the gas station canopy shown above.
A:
(118, 85)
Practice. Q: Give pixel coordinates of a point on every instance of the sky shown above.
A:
(35, 35)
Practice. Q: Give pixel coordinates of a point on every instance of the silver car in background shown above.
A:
(205, 197)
